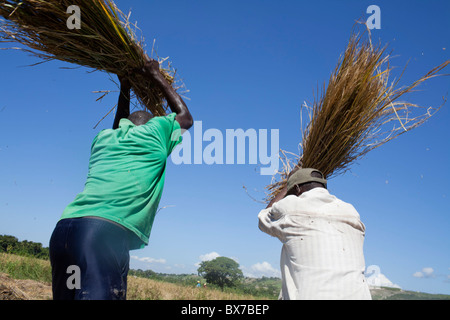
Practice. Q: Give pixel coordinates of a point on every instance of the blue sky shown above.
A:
(248, 64)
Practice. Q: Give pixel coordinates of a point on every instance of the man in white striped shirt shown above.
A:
(322, 256)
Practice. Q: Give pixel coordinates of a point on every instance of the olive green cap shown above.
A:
(303, 175)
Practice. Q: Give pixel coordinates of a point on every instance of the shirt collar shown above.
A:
(125, 123)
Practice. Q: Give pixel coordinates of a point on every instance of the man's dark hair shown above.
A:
(140, 117)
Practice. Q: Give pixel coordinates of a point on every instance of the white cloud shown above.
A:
(428, 272)
(424, 273)
(209, 256)
(148, 259)
(261, 269)
(380, 280)
(206, 257)
(375, 278)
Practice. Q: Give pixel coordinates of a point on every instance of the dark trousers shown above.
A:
(90, 260)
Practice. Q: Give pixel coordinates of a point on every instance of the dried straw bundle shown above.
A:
(357, 112)
(104, 42)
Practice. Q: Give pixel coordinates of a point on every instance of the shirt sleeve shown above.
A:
(269, 222)
(168, 131)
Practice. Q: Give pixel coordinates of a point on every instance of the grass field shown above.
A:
(25, 278)
(31, 278)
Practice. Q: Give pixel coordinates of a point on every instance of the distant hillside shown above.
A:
(17, 262)
(384, 293)
(270, 287)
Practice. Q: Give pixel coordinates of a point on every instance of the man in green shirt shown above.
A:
(115, 212)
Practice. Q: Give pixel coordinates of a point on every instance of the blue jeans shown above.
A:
(99, 249)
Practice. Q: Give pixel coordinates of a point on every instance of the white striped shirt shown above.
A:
(322, 256)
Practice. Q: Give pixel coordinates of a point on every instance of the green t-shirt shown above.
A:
(126, 174)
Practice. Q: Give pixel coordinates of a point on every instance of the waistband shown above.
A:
(106, 220)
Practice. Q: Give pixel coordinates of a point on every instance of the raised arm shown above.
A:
(123, 105)
(175, 102)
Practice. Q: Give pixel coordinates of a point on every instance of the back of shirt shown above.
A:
(126, 174)
(322, 256)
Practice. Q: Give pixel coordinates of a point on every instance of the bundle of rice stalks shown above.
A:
(357, 112)
(105, 40)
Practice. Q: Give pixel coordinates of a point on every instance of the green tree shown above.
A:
(8, 243)
(221, 271)
(11, 244)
